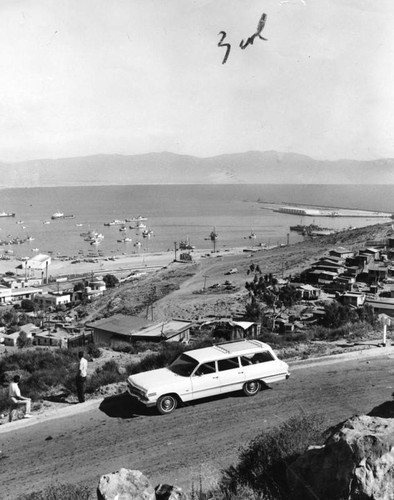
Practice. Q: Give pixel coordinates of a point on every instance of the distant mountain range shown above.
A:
(252, 167)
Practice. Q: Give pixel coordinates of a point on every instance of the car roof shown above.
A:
(226, 349)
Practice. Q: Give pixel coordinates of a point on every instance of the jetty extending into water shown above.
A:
(326, 211)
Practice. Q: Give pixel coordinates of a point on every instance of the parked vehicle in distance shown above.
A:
(244, 365)
(234, 270)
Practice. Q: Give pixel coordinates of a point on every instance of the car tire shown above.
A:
(251, 388)
(166, 404)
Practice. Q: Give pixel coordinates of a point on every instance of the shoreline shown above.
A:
(119, 264)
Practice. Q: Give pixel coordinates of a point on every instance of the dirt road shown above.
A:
(198, 439)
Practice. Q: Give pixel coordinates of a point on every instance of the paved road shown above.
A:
(198, 439)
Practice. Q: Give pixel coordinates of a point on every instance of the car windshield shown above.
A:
(183, 365)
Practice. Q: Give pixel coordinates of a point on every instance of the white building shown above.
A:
(51, 300)
(38, 264)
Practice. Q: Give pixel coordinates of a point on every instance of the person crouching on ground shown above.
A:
(17, 400)
(81, 377)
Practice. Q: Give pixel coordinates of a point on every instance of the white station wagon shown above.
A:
(210, 371)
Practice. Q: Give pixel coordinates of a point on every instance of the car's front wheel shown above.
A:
(166, 404)
(251, 388)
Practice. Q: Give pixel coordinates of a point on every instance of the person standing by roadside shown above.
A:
(17, 400)
(81, 376)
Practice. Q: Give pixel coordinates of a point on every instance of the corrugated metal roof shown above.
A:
(168, 329)
(121, 324)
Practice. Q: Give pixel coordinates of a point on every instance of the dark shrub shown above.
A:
(61, 492)
(27, 305)
(110, 281)
(264, 461)
(93, 350)
(107, 374)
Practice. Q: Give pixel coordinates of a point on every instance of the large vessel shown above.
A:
(61, 215)
(7, 214)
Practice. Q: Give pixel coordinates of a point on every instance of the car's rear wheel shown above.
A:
(166, 404)
(251, 388)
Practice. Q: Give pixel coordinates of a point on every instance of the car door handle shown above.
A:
(240, 373)
(215, 377)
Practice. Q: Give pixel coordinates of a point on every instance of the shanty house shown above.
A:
(117, 328)
(309, 292)
(175, 330)
(355, 299)
(228, 329)
(341, 252)
(377, 272)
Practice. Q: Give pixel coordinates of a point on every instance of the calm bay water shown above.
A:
(174, 213)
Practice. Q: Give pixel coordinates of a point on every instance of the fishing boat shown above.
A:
(115, 222)
(138, 226)
(147, 233)
(185, 245)
(7, 214)
(252, 236)
(139, 218)
(93, 236)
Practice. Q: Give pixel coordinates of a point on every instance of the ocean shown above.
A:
(175, 213)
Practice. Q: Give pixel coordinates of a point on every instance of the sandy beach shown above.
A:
(121, 265)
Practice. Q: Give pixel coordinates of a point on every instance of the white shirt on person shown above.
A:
(83, 367)
(14, 391)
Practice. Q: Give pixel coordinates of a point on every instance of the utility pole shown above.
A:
(175, 251)
(283, 266)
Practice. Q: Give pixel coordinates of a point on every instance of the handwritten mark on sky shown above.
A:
(243, 44)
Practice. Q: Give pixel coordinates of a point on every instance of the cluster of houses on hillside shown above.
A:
(354, 278)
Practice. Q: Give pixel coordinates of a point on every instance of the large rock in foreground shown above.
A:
(356, 462)
(125, 485)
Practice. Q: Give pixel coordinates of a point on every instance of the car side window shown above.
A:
(205, 369)
(245, 361)
(262, 357)
(228, 364)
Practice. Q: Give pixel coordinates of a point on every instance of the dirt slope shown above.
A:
(199, 439)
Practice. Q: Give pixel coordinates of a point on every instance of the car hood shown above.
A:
(155, 378)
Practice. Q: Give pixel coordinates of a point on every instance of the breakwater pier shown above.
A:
(327, 212)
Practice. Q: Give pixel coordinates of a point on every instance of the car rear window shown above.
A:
(228, 364)
(260, 357)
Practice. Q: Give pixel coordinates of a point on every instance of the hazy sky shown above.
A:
(82, 77)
